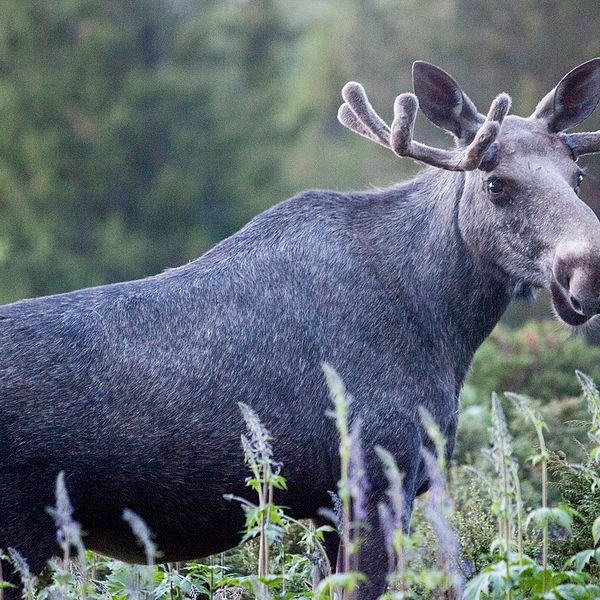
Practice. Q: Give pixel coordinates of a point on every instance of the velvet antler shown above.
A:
(584, 143)
(357, 114)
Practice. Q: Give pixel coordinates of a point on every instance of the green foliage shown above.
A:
(539, 356)
(570, 531)
(537, 360)
(575, 491)
(473, 520)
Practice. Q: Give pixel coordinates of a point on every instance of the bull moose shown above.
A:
(132, 389)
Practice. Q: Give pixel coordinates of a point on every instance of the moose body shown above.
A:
(132, 389)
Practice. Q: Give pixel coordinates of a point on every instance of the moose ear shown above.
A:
(443, 101)
(573, 99)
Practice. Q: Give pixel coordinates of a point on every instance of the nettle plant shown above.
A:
(308, 574)
(275, 571)
(268, 522)
(515, 574)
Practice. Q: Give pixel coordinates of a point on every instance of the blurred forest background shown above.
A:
(137, 133)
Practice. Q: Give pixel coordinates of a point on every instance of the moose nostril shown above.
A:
(575, 303)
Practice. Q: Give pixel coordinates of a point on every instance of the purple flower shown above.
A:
(437, 508)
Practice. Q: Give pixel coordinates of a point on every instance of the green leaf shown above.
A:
(326, 529)
(576, 577)
(596, 531)
(559, 516)
(477, 586)
(4, 585)
(544, 516)
(539, 516)
(581, 559)
(344, 581)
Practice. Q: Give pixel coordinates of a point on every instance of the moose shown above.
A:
(132, 389)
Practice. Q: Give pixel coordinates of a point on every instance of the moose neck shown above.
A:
(420, 256)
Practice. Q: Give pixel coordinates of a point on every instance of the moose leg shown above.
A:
(26, 527)
(331, 544)
(35, 559)
(403, 440)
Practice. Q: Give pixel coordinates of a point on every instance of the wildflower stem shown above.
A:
(342, 424)
(519, 503)
(400, 562)
(544, 453)
(507, 531)
(316, 540)
(340, 414)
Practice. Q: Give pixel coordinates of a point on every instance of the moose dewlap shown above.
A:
(132, 389)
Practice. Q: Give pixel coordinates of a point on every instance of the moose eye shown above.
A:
(495, 185)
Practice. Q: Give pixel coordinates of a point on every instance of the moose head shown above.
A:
(521, 210)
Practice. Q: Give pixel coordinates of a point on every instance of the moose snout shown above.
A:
(577, 273)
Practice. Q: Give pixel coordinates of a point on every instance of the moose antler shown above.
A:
(357, 114)
(583, 143)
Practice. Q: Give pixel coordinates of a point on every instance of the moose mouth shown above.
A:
(563, 307)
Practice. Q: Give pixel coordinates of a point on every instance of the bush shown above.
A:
(538, 360)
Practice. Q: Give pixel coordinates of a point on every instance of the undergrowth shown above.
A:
(483, 541)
